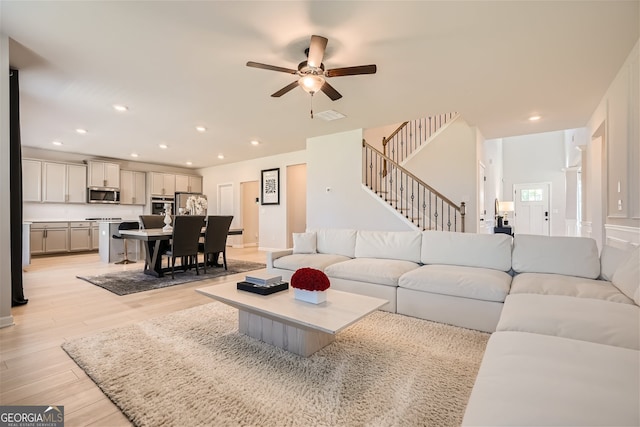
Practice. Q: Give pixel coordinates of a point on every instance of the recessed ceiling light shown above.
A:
(163, 146)
(57, 143)
(534, 118)
(81, 131)
(189, 163)
(201, 128)
(121, 108)
(221, 156)
(255, 142)
(134, 154)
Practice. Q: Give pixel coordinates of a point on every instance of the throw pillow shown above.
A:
(610, 259)
(304, 243)
(627, 276)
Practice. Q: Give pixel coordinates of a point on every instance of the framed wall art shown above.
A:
(270, 187)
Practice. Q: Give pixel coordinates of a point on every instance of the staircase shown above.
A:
(410, 136)
(420, 204)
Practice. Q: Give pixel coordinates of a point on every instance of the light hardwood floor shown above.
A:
(34, 370)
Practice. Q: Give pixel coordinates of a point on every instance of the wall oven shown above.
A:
(158, 202)
(103, 195)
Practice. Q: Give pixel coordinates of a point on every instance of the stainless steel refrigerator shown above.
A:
(181, 202)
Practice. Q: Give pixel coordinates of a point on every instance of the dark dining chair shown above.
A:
(185, 239)
(215, 239)
(127, 225)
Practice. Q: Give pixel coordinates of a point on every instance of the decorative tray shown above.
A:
(263, 290)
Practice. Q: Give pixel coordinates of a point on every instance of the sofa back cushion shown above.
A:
(610, 258)
(571, 256)
(400, 245)
(467, 249)
(336, 241)
(627, 276)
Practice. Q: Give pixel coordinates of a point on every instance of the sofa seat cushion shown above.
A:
(541, 380)
(317, 261)
(371, 270)
(557, 284)
(583, 319)
(467, 282)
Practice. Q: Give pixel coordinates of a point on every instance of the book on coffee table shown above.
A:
(263, 279)
(263, 289)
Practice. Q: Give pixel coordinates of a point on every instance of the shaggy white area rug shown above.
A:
(193, 368)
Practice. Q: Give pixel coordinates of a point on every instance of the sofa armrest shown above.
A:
(271, 256)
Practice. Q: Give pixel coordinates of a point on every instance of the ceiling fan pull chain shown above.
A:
(312, 105)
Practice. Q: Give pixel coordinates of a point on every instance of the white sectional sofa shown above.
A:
(565, 322)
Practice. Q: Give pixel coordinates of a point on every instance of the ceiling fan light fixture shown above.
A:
(311, 83)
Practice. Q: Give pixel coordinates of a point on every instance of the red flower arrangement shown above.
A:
(310, 279)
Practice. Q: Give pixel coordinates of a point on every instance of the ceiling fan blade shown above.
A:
(351, 71)
(316, 51)
(330, 91)
(285, 89)
(270, 67)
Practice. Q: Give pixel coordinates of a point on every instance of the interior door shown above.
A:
(532, 208)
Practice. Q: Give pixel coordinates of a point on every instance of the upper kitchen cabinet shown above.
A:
(132, 188)
(31, 180)
(189, 184)
(103, 174)
(162, 184)
(63, 183)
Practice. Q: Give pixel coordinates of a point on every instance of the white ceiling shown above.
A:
(181, 64)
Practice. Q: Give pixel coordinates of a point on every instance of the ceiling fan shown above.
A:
(312, 74)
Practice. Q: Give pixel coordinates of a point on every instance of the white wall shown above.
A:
(538, 158)
(619, 111)
(335, 163)
(6, 318)
(449, 164)
(272, 218)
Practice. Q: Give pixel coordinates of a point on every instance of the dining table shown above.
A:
(157, 240)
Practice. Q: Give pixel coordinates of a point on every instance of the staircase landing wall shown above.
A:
(334, 162)
(449, 163)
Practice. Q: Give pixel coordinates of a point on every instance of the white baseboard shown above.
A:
(6, 321)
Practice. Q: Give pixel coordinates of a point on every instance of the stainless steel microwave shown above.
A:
(103, 195)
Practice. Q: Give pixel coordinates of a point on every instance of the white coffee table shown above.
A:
(296, 326)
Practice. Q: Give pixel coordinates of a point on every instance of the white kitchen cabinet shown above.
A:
(76, 184)
(95, 236)
(132, 188)
(189, 183)
(162, 184)
(54, 182)
(103, 174)
(63, 183)
(80, 236)
(49, 237)
(31, 180)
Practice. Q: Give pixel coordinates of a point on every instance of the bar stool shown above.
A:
(130, 225)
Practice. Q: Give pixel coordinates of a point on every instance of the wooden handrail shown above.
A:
(385, 140)
(433, 190)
